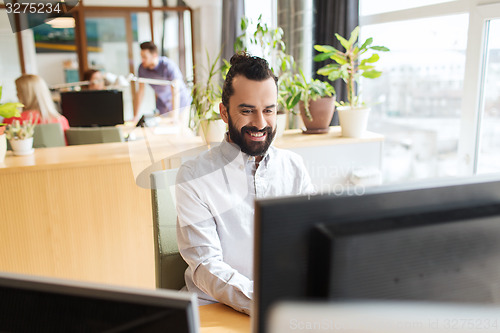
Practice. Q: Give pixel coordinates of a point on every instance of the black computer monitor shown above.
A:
(437, 243)
(38, 304)
(92, 107)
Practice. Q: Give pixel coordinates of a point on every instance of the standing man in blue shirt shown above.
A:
(160, 68)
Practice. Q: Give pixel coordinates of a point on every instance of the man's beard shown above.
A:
(252, 148)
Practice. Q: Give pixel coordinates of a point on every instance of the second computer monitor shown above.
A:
(438, 243)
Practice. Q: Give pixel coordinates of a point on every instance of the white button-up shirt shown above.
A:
(215, 196)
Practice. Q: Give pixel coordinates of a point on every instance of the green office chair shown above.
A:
(169, 265)
(48, 135)
(91, 135)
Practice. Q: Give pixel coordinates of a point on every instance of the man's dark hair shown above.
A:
(150, 46)
(251, 67)
(88, 74)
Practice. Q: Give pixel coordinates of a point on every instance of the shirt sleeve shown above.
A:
(200, 246)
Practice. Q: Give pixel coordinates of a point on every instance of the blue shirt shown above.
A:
(166, 70)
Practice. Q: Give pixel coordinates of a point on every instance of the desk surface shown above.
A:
(160, 147)
(220, 318)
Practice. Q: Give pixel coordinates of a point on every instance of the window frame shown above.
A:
(475, 66)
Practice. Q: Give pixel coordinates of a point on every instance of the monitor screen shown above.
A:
(437, 243)
(92, 107)
(38, 304)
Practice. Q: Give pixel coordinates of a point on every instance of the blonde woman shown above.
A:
(34, 93)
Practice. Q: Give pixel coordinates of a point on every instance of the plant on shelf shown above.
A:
(300, 90)
(352, 64)
(316, 101)
(20, 136)
(206, 97)
(349, 65)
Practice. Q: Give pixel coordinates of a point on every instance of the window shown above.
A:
(427, 102)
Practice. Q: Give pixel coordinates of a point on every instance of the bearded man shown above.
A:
(215, 192)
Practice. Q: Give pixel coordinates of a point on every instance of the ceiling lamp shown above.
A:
(61, 22)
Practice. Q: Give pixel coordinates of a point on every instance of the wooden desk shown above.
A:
(76, 212)
(220, 318)
(84, 212)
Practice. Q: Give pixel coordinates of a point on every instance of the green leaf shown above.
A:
(244, 23)
(323, 56)
(295, 100)
(367, 42)
(354, 36)
(339, 59)
(365, 67)
(326, 70)
(343, 41)
(373, 74)
(325, 48)
(8, 110)
(380, 48)
(374, 58)
(1, 93)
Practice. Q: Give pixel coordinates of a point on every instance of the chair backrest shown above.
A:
(169, 265)
(90, 135)
(48, 135)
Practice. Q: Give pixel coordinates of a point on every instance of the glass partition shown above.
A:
(489, 149)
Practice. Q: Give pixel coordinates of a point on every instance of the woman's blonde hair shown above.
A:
(34, 93)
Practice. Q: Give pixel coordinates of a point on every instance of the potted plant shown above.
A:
(20, 136)
(7, 110)
(349, 66)
(204, 117)
(270, 42)
(316, 101)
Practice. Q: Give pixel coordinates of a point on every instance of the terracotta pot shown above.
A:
(322, 113)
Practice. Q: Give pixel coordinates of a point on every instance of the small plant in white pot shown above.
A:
(349, 66)
(20, 136)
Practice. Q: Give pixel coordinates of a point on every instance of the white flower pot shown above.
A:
(212, 131)
(280, 124)
(3, 147)
(22, 147)
(353, 121)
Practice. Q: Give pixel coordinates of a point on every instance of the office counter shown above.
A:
(84, 212)
(76, 212)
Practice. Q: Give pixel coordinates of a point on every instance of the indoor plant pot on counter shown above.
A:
(316, 101)
(205, 119)
(348, 66)
(20, 136)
